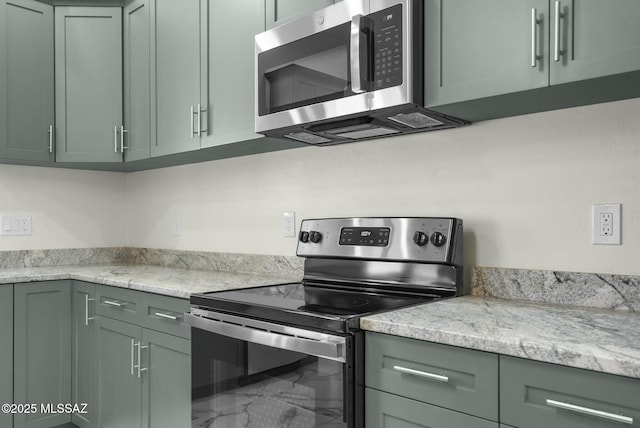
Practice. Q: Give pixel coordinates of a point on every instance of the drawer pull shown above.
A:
(431, 376)
(167, 316)
(590, 412)
(112, 303)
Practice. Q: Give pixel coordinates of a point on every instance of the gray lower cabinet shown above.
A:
(166, 380)
(137, 72)
(84, 353)
(6, 351)
(27, 83)
(535, 394)
(179, 75)
(462, 380)
(42, 350)
(281, 11)
(232, 27)
(385, 410)
(88, 70)
(144, 377)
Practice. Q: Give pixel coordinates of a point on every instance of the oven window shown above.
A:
(308, 71)
(241, 384)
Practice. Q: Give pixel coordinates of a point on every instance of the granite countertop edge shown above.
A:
(180, 283)
(601, 340)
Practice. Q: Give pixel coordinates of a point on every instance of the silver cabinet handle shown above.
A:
(112, 303)
(133, 362)
(87, 299)
(138, 366)
(431, 376)
(50, 138)
(115, 138)
(122, 132)
(559, 15)
(199, 120)
(167, 316)
(534, 37)
(191, 119)
(590, 412)
(356, 83)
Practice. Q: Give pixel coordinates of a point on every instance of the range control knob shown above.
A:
(420, 238)
(304, 236)
(438, 239)
(315, 237)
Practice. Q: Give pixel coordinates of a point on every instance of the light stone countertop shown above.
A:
(154, 279)
(603, 340)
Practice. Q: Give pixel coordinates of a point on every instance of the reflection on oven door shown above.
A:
(250, 385)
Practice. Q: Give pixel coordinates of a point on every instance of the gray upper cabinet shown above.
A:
(594, 38)
(232, 27)
(281, 11)
(27, 85)
(6, 351)
(179, 75)
(42, 350)
(84, 355)
(137, 84)
(88, 58)
(475, 49)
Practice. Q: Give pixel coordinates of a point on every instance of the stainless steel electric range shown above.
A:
(292, 354)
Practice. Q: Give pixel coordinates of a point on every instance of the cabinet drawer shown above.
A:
(383, 410)
(535, 394)
(456, 378)
(166, 314)
(118, 303)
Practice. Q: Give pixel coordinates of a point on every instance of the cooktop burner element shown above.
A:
(356, 267)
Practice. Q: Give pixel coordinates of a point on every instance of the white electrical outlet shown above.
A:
(14, 225)
(607, 225)
(176, 226)
(289, 224)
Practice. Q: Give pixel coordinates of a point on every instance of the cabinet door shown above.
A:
(119, 388)
(27, 85)
(233, 25)
(137, 72)
(476, 49)
(42, 354)
(595, 38)
(166, 382)
(281, 11)
(6, 351)
(84, 378)
(384, 410)
(180, 76)
(88, 58)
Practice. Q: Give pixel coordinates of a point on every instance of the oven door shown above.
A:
(250, 373)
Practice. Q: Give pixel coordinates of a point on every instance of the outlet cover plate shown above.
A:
(15, 225)
(607, 225)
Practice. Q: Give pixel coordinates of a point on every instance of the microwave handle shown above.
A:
(356, 80)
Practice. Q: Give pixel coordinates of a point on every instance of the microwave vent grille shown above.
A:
(416, 120)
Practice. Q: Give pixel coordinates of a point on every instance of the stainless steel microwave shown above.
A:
(348, 72)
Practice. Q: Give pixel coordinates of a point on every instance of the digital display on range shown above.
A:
(365, 236)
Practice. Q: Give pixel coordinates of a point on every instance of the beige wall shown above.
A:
(524, 187)
(69, 208)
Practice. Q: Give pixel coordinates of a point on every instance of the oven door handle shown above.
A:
(332, 348)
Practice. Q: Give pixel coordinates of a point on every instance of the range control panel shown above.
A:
(365, 236)
(429, 239)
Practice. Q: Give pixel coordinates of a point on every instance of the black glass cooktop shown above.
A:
(323, 307)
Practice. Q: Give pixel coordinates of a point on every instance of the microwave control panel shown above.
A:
(387, 47)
